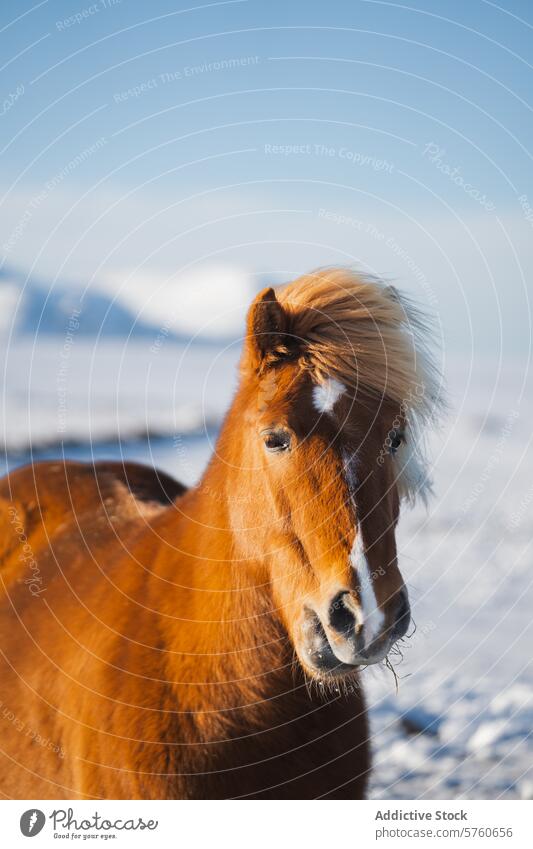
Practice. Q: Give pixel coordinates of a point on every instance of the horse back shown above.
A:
(44, 500)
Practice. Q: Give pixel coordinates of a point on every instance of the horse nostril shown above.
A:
(341, 619)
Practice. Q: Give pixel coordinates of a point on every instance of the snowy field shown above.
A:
(460, 724)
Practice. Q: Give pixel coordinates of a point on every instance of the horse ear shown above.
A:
(267, 325)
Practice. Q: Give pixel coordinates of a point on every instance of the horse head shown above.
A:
(335, 387)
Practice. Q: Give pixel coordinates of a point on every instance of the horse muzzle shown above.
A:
(339, 641)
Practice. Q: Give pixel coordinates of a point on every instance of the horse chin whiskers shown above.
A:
(391, 661)
(326, 685)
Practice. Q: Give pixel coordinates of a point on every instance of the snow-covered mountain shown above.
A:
(123, 358)
(207, 304)
(34, 307)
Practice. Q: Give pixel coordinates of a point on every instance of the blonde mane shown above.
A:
(373, 340)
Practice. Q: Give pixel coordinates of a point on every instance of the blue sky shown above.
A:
(145, 139)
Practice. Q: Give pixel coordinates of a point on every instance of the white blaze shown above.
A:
(326, 394)
(371, 615)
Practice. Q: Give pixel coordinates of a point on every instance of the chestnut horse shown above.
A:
(164, 643)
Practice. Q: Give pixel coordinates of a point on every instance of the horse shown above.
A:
(159, 642)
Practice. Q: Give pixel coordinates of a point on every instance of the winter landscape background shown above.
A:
(157, 168)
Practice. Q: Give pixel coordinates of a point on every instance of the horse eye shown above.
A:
(396, 439)
(276, 440)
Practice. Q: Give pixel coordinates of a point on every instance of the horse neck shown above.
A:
(228, 509)
(220, 603)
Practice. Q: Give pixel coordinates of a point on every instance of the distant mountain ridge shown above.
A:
(39, 308)
(207, 305)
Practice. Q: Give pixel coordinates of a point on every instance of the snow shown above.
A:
(460, 724)
(418, 720)
(467, 563)
(99, 391)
